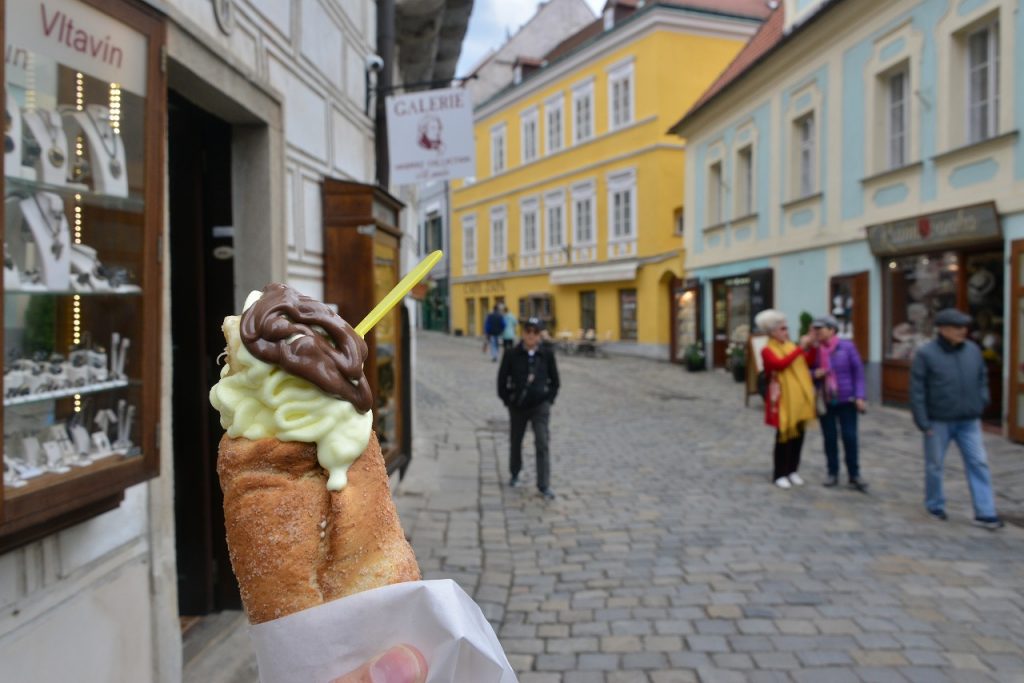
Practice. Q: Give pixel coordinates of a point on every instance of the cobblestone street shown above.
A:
(668, 556)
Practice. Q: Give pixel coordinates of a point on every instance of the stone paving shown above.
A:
(669, 557)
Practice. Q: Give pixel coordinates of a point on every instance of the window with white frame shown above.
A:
(583, 111)
(622, 212)
(584, 231)
(744, 183)
(583, 209)
(499, 239)
(620, 95)
(469, 244)
(554, 228)
(498, 149)
(983, 83)
(806, 147)
(897, 115)
(529, 135)
(553, 119)
(529, 233)
(716, 194)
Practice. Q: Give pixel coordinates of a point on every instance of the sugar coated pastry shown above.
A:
(307, 508)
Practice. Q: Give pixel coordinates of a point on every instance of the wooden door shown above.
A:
(1015, 416)
(848, 304)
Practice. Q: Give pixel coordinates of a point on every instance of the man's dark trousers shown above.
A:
(539, 416)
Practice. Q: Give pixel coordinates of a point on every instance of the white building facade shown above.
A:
(274, 94)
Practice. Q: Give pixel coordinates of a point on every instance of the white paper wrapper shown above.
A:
(320, 644)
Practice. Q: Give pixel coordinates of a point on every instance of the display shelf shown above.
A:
(20, 186)
(66, 393)
(76, 473)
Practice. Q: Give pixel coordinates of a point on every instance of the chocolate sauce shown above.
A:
(337, 368)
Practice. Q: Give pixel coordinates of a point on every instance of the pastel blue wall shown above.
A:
(801, 284)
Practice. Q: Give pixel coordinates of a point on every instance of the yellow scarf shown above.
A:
(796, 393)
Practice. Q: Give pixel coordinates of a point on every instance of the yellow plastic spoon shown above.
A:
(396, 294)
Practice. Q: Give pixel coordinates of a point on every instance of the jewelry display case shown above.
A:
(82, 186)
(361, 265)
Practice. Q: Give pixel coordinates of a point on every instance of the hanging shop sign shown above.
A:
(943, 230)
(428, 136)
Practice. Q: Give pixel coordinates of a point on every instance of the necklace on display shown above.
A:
(54, 155)
(106, 136)
(52, 217)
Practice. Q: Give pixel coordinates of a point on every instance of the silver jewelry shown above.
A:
(54, 154)
(106, 134)
(53, 218)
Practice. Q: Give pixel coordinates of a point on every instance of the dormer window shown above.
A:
(517, 74)
(609, 17)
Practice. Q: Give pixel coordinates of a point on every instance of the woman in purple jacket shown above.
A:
(839, 377)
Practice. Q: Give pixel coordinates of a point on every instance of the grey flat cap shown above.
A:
(825, 321)
(951, 317)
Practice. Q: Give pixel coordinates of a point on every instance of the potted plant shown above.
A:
(736, 359)
(693, 357)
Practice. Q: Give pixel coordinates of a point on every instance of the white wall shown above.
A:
(82, 605)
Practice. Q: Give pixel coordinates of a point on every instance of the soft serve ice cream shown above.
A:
(294, 372)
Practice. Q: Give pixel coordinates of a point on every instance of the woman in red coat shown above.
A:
(789, 405)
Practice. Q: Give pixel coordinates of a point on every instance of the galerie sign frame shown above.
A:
(430, 136)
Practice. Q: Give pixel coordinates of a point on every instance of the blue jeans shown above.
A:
(846, 415)
(967, 434)
(494, 346)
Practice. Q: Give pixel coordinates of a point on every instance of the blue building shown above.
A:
(864, 159)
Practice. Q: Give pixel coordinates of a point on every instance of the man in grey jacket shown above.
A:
(948, 394)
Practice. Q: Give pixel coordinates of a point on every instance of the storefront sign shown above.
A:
(967, 225)
(71, 32)
(430, 136)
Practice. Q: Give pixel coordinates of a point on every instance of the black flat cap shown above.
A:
(951, 317)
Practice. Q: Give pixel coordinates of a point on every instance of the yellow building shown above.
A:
(574, 215)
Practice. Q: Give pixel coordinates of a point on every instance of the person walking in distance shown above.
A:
(789, 404)
(527, 385)
(948, 394)
(494, 325)
(508, 335)
(839, 380)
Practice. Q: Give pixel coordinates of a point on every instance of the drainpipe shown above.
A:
(386, 50)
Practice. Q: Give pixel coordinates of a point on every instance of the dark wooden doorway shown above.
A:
(1014, 423)
(848, 304)
(202, 288)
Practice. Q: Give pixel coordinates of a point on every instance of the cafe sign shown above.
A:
(944, 230)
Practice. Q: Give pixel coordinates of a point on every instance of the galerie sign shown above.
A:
(946, 229)
(430, 136)
(74, 34)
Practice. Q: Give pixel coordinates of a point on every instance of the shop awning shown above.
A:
(605, 272)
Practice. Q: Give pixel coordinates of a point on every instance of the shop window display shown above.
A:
(984, 274)
(80, 221)
(919, 287)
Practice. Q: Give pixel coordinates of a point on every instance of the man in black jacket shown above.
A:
(527, 385)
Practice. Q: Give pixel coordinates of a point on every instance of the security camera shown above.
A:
(374, 63)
